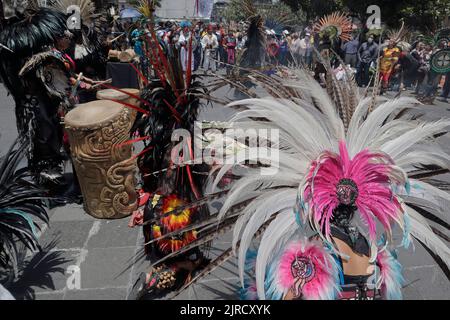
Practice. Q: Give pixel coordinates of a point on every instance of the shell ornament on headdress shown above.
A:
(347, 192)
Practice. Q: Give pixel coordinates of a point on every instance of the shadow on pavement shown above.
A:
(38, 272)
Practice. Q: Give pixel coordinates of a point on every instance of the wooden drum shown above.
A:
(103, 164)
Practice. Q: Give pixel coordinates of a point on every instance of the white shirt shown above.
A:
(295, 46)
(210, 40)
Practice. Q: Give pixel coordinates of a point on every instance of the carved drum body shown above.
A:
(103, 164)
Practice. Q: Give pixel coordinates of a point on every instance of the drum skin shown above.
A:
(108, 94)
(112, 94)
(105, 168)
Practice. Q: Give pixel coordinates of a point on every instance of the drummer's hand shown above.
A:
(72, 81)
(85, 85)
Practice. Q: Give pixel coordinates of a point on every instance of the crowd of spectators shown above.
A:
(218, 46)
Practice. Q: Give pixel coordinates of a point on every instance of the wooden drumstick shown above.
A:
(111, 41)
(77, 83)
(100, 83)
(5, 47)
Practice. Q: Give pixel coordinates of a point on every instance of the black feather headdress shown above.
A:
(173, 103)
(88, 51)
(171, 100)
(254, 53)
(32, 32)
(21, 202)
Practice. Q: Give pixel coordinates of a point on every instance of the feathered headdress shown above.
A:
(90, 20)
(335, 25)
(378, 162)
(365, 181)
(399, 37)
(88, 15)
(21, 202)
(172, 102)
(254, 52)
(277, 17)
(32, 32)
(147, 7)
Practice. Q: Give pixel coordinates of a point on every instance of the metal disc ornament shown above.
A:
(443, 34)
(440, 61)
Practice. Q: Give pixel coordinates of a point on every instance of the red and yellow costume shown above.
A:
(387, 63)
(173, 222)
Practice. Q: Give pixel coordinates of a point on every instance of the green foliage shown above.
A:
(314, 8)
(279, 12)
(423, 15)
(234, 11)
(427, 15)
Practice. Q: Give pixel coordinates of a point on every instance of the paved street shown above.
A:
(105, 250)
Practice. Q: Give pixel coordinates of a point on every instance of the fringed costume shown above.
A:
(38, 77)
(42, 78)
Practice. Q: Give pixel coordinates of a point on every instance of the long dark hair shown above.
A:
(32, 33)
(343, 214)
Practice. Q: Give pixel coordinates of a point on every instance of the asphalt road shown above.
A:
(86, 258)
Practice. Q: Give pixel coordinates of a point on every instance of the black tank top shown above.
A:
(358, 243)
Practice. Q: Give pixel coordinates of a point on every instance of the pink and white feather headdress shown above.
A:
(335, 148)
(367, 181)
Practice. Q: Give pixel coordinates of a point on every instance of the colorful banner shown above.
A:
(204, 8)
